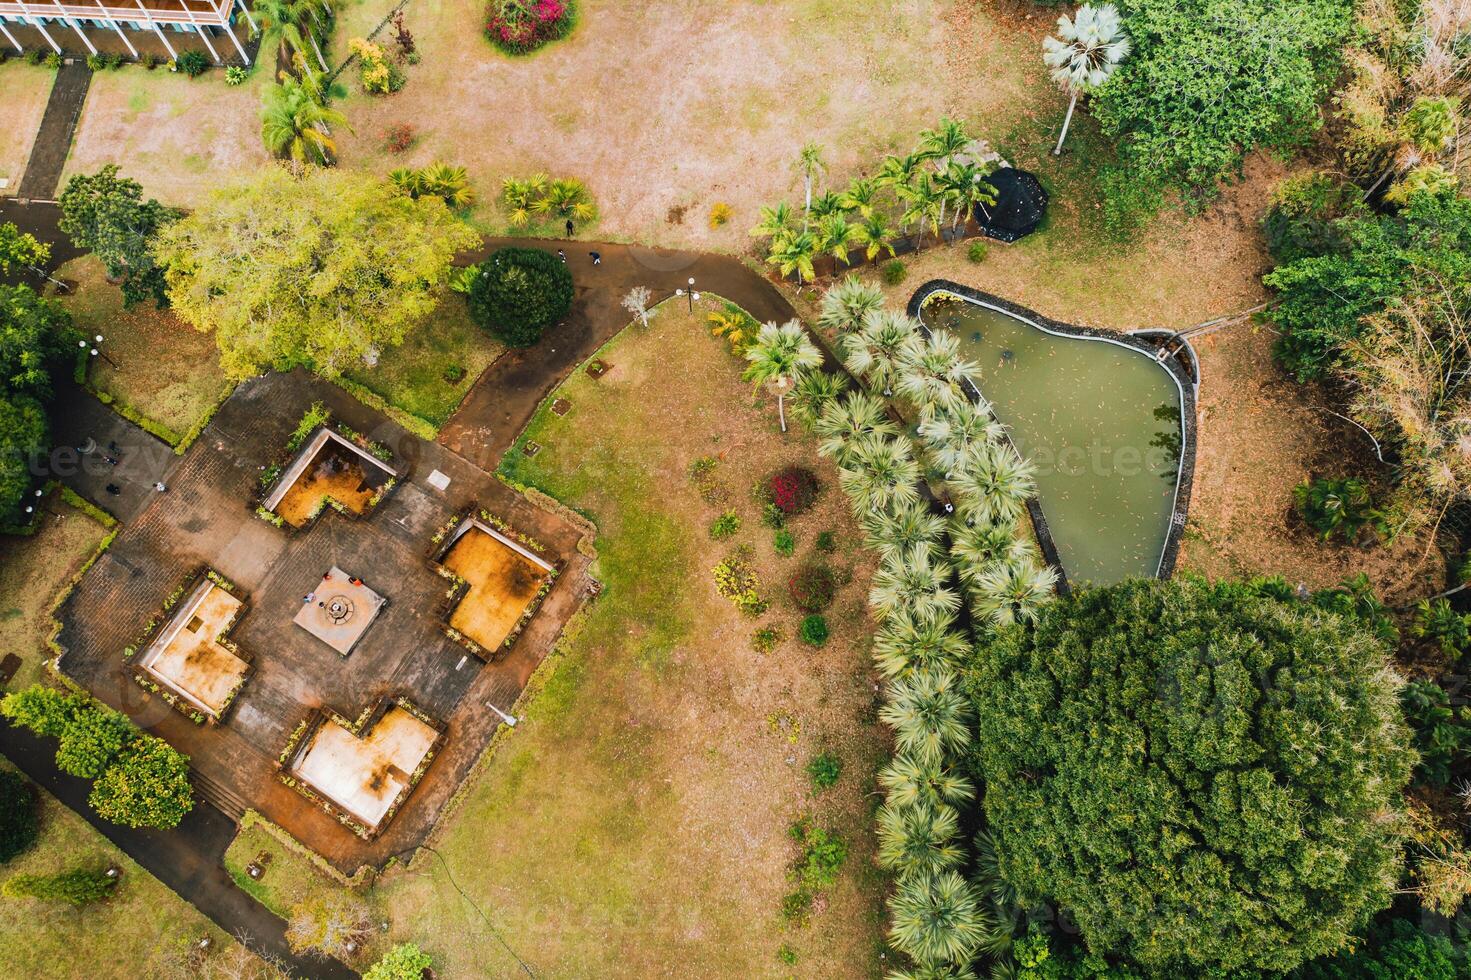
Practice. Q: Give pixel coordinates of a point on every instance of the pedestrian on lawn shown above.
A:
(596, 258)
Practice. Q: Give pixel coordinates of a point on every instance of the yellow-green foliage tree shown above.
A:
(323, 269)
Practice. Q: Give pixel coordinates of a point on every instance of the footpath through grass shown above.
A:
(635, 823)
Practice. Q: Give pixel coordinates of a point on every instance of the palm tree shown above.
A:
(910, 641)
(878, 350)
(1012, 592)
(566, 197)
(844, 424)
(793, 251)
(950, 435)
(943, 142)
(293, 123)
(963, 183)
(284, 21)
(826, 205)
(890, 533)
(918, 838)
(933, 376)
(519, 195)
(836, 237)
(448, 182)
(1005, 899)
(815, 391)
(809, 165)
(875, 234)
(896, 172)
(862, 196)
(924, 202)
(913, 578)
(1085, 52)
(980, 548)
(846, 304)
(778, 355)
(929, 714)
(937, 918)
(774, 221)
(907, 782)
(993, 484)
(881, 474)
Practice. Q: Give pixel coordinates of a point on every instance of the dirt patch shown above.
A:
(502, 584)
(26, 89)
(336, 473)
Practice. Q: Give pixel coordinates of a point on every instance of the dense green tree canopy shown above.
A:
(107, 215)
(406, 961)
(1209, 81)
(519, 292)
(1201, 776)
(147, 785)
(324, 270)
(91, 739)
(18, 828)
(24, 436)
(36, 341)
(1397, 951)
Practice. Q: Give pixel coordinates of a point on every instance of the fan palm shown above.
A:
(293, 123)
(992, 485)
(793, 251)
(881, 474)
(836, 237)
(910, 641)
(846, 304)
(1012, 592)
(916, 579)
(919, 838)
(777, 356)
(951, 434)
(939, 971)
(862, 196)
(1005, 899)
(909, 782)
(1087, 49)
(566, 197)
(979, 548)
(774, 221)
(845, 423)
(912, 524)
(809, 165)
(877, 350)
(816, 390)
(874, 234)
(934, 376)
(519, 194)
(937, 918)
(448, 182)
(944, 142)
(929, 714)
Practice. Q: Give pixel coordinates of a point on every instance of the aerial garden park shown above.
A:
(956, 489)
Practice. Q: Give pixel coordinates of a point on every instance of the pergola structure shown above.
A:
(201, 17)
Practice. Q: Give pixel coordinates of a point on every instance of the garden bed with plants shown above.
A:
(498, 580)
(327, 464)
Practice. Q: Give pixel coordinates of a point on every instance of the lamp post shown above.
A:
(96, 349)
(690, 293)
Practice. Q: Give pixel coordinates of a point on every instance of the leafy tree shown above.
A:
(1396, 950)
(406, 961)
(1209, 81)
(80, 886)
(43, 710)
(19, 249)
(1442, 734)
(18, 828)
(519, 293)
(92, 738)
(24, 435)
(1203, 778)
(107, 215)
(325, 270)
(147, 785)
(1331, 506)
(36, 341)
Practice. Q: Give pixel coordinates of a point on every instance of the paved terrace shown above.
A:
(205, 518)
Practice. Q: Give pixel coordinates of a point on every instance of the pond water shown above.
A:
(1101, 423)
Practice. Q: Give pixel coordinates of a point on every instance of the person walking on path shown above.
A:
(562, 255)
(113, 489)
(569, 227)
(161, 487)
(597, 258)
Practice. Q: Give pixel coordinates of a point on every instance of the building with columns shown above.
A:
(81, 26)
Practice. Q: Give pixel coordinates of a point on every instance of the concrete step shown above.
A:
(221, 796)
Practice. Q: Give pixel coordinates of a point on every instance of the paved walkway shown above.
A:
(502, 402)
(54, 138)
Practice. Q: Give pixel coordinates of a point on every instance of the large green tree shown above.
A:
(1202, 777)
(519, 292)
(24, 437)
(18, 829)
(406, 961)
(147, 785)
(36, 341)
(107, 215)
(326, 269)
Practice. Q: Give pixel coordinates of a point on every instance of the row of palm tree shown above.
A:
(936, 185)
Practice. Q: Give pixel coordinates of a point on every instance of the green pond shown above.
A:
(1101, 423)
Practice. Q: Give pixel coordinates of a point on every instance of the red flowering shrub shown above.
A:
(522, 26)
(812, 588)
(793, 489)
(398, 137)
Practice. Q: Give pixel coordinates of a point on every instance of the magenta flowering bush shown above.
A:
(522, 26)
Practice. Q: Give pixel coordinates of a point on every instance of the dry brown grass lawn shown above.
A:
(26, 88)
(635, 822)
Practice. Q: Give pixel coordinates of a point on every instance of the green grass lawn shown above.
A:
(414, 376)
(640, 809)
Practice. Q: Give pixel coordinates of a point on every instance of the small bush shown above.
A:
(702, 475)
(96, 62)
(1438, 621)
(824, 770)
(236, 75)
(773, 517)
(785, 543)
(113, 62)
(193, 63)
(737, 581)
(518, 293)
(725, 526)
(522, 26)
(398, 137)
(406, 961)
(80, 886)
(765, 639)
(149, 61)
(377, 74)
(720, 213)
(34, 56)
(894, 272)
(827, 541)
(813, 631)
(977, 252)
(315, 415)
(1331, 506)
(454, 373)
(53, 60)
(812, 588)
(18, 828)
(793, 490)
(787, 955)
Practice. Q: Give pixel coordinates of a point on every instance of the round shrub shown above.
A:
(519, 292)
(792, 489)
(522, 26)
(812, 588)
(18, 828)
(894, 272)
(976, 252)
(814, 630)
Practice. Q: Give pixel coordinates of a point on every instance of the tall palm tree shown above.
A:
(1087, 49)
(845, 305)
(878, 350)
(845, 424)
(993, 484)
(944, 142)
(875, 234)
(918, 838)
(285, 22)
(889, 533)
(966, 186)
(929, 714)
(924, 203)
(836, 237)
(774, 221)
(950, 435)
(934, 377)
(979, 548)
(1012, 592)
(898, 174)
(778, 355)
(937, 918)
(910, 641)
(907, 782)
(815, 391)
(793, 251)
(862, 196)
(881, 474)
(916, 579)
(810, 165)
(293, 123)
